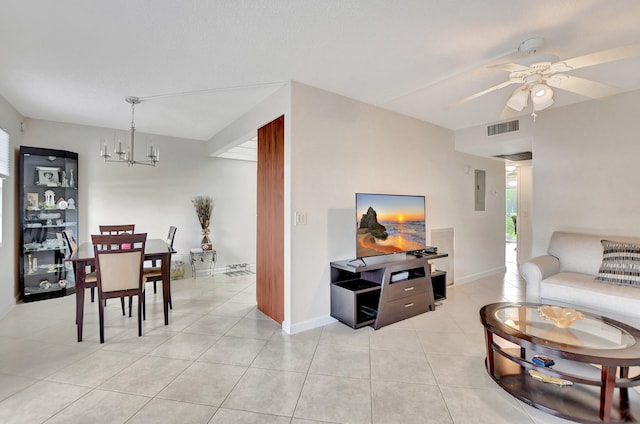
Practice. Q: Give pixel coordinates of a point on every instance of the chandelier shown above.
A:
(124, 154)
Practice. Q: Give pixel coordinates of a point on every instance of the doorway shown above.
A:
(518, 207)
(511, 214)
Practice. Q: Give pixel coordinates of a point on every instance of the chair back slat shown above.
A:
(171, 236)
(117, 229)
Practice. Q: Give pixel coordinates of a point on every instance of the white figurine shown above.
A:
(49, 199)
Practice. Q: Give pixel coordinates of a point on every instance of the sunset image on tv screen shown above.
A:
(388, 223)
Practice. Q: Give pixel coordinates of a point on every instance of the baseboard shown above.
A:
(473, 277)
(307, 325)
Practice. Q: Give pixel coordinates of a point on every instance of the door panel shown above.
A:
(270, 220)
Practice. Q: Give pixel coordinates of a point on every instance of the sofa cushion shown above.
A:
(620, 263)
(584, 290)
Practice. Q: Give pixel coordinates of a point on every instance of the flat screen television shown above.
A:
(389, 223)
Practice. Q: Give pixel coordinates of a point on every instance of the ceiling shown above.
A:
(200, 64)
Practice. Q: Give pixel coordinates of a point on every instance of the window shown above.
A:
(4, 169)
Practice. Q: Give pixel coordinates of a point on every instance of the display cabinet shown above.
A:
(48, 204)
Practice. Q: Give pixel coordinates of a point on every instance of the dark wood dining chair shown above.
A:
(119, 261)
(115, 230)
(90, 278)
(153, 273)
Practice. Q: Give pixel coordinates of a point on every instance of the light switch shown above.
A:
(300, 218)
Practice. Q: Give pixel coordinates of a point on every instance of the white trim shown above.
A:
(307, 325)
(488, 273)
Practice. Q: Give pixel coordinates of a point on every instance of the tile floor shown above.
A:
(222, 361)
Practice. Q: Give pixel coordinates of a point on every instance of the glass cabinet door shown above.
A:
(48, 219)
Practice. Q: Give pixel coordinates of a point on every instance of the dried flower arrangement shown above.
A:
(204, 206)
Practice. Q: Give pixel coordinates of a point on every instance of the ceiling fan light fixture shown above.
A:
(541, 96)
(519, 99)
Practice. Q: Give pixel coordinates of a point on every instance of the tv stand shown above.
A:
(383, 293)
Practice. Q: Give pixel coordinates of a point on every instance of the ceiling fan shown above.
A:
(537, 78)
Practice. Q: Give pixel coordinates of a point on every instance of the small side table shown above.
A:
(207, 257)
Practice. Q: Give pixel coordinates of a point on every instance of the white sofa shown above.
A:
(567, 275)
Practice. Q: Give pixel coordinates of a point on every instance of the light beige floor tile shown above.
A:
(248, 297)
(341, 361)
(408, 403)
(233, 351)
(284, 356)
(335, 399)
(94, 369)
(309, 336)
(437, 321)
(460, 370)
(409, 367)
(184, 346)
(232, 309)
(483, 406)
(38, 402)
(42, 359)
(388, 338)
(266, 391)
(100, 406)
(172, 412)
(131, 343)
(339, 333)
(203, 383)
(255, 313)
(10, 384)
(253, 329)
(452, 343)
(213, 325)
(146, 377)
(230, 416)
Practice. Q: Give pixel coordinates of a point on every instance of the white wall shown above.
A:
(10, 122)
(340, 147)
(585, 169)
(155, 198)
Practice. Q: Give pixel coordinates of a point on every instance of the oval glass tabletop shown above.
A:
(565, 326)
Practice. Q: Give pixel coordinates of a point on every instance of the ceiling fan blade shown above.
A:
(604, 56)
(482, 93)
(582, 86)
(510, 67)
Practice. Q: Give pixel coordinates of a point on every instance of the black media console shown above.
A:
(386, 292)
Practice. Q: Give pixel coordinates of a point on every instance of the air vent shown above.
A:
(503, 127)
(516, 156)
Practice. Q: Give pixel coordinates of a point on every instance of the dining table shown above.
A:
(154, 250)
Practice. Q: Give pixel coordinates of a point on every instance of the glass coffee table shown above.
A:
(592, 356)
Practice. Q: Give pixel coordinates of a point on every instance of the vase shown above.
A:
(206, 241)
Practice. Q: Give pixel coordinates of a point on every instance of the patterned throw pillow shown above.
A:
(620, 264)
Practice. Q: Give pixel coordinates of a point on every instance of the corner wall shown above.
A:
(9, 121)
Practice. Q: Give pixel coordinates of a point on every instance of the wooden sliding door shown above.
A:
(270, 220)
